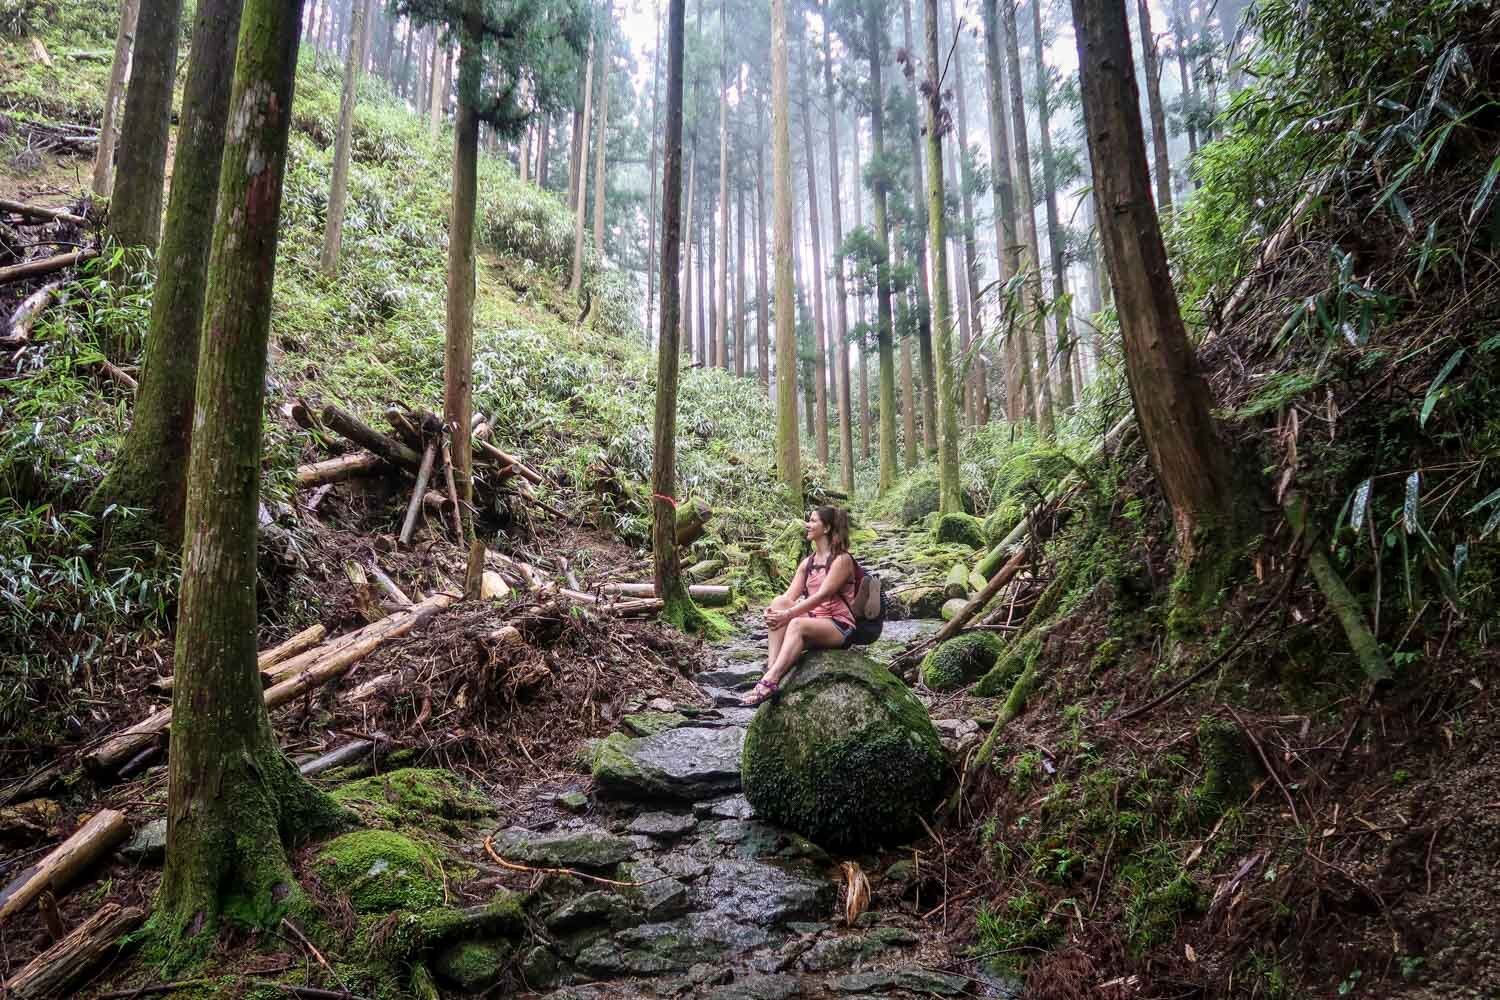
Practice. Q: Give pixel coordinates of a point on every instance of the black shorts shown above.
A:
(847, 631)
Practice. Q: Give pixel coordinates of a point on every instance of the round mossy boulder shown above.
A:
(845, 755)
(960, 660)
(959, 529)
(921, 499)
(381, 871)
(1000, 521)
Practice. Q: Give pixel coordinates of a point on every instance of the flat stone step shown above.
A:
(687, 764)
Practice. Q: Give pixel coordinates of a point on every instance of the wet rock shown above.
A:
(681, 866)
(758, 988)
(673, 946)
(473, 966)
(734, 807)
(690, 763)
(841, 952)
(918, 602)
(574, 801)
(915, 980)
(651, 723)
(723, 697)
(766, 894)
(658, 896)
(762, 840)
(539, 967)
(662, 705)
(588, 848)
(149, 843)
(847, 756)
(732, 676)
(592, 909)
(663, 825)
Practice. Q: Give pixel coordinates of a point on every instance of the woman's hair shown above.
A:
(836, 520)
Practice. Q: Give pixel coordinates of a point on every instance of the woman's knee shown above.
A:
(780, 603)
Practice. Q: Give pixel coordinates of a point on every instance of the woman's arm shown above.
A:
(799, 582)
(839, 574)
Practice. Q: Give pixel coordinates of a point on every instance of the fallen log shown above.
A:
(336, 470)
(458, 523)
(388, 586)
(61, 966)
(503, 636)
(707, 594)
(342, 653)
(119, 376)
(364, 594)
(962, 618)
(387, 447)
(40, 212)
(349, 753)
(504, 458)
(268, 658)
(44, 265)
(18, 334)
(414, 507)
(957, 583)
(406, 430)
(102, 832)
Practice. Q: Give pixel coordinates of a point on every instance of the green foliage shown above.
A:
(1158, 895)
(1022, 923)
(960, 660)
(381, 871)
(960, 529)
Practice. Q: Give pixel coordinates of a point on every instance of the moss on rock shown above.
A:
(414, 798)
(959, 529)
(474, 966)
(921, 499)
(960, 660)
(381, 871)
(918, 602)
(846, 756)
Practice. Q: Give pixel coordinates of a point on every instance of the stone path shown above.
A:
(723, 906)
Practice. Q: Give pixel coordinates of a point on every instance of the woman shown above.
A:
(815, 612)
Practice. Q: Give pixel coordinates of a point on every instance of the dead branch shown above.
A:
(40, 212)
(345, 423)
(414, 507)
(63, 964)
(103, 831)
(44, 265)
(336, 470)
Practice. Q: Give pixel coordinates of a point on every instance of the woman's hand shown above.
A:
(776, 618)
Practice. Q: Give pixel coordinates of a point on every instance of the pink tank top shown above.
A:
(836, 607)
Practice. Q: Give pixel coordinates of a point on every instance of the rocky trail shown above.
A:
(692, 895)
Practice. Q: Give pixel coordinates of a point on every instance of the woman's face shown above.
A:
(815, 527)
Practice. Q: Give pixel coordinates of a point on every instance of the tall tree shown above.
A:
(575, 281)
(232, 797)
(150, 471)
(1026, 209)
(864, 342)
(788, 458)
(1152, 65)
(338, 194)
(600, 166)
(820, 328)
(721, 350)
(969, 313)
(109, 126)
(1171, 399)
(762, 303)
(678, 606)
(918, 245)
(135, 208)
(436, 94)
(740, 347)
(1018, 385)
(1188, 87)
(651, 178)
(1054, 227)
(950, 492)
(840, 290)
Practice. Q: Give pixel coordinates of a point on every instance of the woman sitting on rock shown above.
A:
(815, 612)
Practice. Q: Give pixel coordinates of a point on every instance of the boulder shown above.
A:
(381, 871)
(952, 607)
(961, 660)
(846, 755)
(921, 499)
(589, 848)
(688, 763)
(917, 602)
(959, 529)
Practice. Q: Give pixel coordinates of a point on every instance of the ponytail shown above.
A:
(836, 520)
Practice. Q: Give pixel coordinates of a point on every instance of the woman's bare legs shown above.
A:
(803, 634)
(773, 641)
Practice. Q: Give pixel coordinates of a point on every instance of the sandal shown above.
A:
(756, 696)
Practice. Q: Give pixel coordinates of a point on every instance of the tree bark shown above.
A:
(458, 352)
(923, 289)
(1026, 209)
(338, 193)
(975, 403)
(1151, 64)
(1065, 393)
(859, 305)
(600, 163)
(909, 402)
(884, 336)
(788, 458)
(741, 348)
(820, 326)
(69, 960)
(762, 301)
(1018, 383)
(104, 156)
(1171, 399)
(151, 469)
(950, 492)
(575, 281)
(1188, 90)
(232, 796)
(135, 208)
(840, 291)
(666, 569)
(721, 329)
(435, 94)
(650, 178)
(686, 319)
(62, 864)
